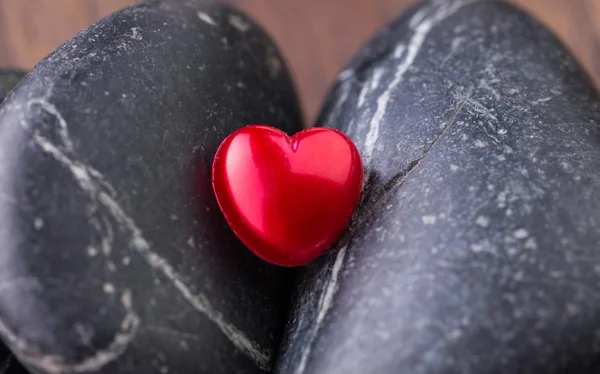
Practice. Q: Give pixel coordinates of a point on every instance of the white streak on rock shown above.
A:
(345, 74)
(486, 86)
(370, 85)
(363, 94)
(332, 285)
(479, 108)
(422, 25)
(63, 130)
(456, 42)
(53, 364)
(239, 23)
(325, 304)
(201, 303)
(106, 242)
(206, 18)
(539, 101)
(377, 74)
(94, 184)
(100, 179)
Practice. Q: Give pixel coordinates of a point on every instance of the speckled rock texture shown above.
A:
(115, 257)
(8, 79)
(8, 363)
(476, 248)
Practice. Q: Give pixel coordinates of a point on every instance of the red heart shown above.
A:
(287, 199)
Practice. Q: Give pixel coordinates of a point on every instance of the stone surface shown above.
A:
(116, 258)
(8, 79)
(8, 363)
(475, 249)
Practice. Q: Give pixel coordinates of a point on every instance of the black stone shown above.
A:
(8, 362)
(115, 257)
(8, 79)
(476, 248)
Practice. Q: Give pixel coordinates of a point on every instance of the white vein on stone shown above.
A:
(165, 331)
(345, 75)
(332, 285)
(102, 193)
(63, 129)
(479, 108)
(363, 94)
(239, 23)
(486, 85)
(370, 85)
(53, 364)
(377, 74)
(421, 24)
(325, 304)
(206, 18)
(107, 240)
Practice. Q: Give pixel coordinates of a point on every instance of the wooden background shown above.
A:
(317, 36)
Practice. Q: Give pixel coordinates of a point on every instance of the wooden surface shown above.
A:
(317, 37)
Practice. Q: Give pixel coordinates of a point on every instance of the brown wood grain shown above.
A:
(319, 37)
(316, 37)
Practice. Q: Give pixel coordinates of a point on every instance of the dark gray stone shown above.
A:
(8, 79)
(476, 248)
(8, 363)
(115, 257)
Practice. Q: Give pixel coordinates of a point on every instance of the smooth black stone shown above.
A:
(476, 246)
(8, 362)
(115, 257)
(8, 79)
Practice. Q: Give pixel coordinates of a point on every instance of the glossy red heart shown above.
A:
(287, 198)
